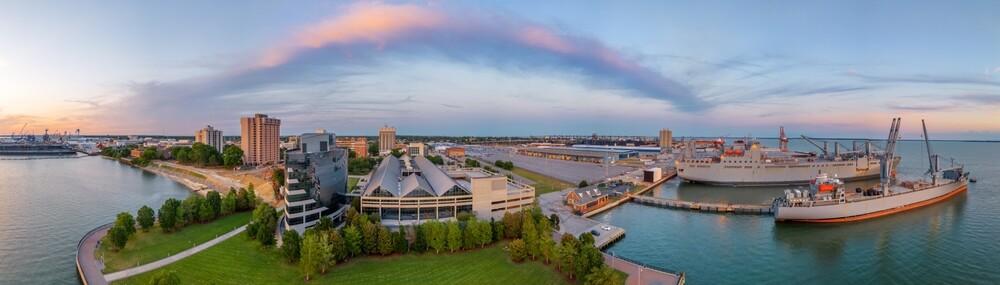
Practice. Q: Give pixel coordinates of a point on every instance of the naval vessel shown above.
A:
(749, 163)
(827, 200)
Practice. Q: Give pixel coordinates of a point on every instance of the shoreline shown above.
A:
(193, 186)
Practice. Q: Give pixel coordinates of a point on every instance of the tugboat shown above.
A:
(827, 201)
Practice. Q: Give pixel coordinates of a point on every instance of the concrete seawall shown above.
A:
(705, 207)
(87, 265)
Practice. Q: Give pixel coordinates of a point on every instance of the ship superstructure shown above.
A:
(749, 163)
(827, 201)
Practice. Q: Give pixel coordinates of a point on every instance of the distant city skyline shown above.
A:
(706, 68)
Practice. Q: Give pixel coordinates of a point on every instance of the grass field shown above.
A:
(241, 261)
(154, 245)
(351, 182)
(543, 184)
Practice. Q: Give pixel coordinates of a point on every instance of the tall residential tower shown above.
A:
(666, 140)
(210, 136)
(386, 139)
(260, 139)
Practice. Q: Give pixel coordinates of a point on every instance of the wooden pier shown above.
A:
(750, 209)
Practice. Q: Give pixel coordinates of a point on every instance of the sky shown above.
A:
(700, 68)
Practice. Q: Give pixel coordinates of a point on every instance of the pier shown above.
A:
(749, 209)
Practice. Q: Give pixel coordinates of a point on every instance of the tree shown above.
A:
(251, 197)
(118, 236)
(471, 162)
(568, 253)
(229, 203)
(241, 200)
(583, 183)
(205, 214)
(517, 250)
(454, 236)
(232, 156)
(470, 236)
(338, 247)
(145, 218)
(547, 247)
(315, 253)
(126, 222)
(369, 235)
(498, 230)
(396, 152)
(419, 238)
(485, 233)
(214, 200)
(530, 236)
(291, 245)
(352, 240)
(555, 221)
(264, 223)
(277, 180)
(512, 224)
(168, 214)
(324, 224)
(165, 278)
(385, 240)
(587, 259)
(603, 275)
(587, 239)
(372, 149)
(436, 235)
(150, 153)
(437, 160)
(402, 245)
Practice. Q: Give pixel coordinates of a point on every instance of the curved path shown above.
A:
(87, 264)
(90, 267)
(173, 258)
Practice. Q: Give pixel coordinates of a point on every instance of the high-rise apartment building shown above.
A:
(666, 140)
(210, 136)
(260, 139)
(386, 139)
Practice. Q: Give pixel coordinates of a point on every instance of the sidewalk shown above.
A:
(174, 258)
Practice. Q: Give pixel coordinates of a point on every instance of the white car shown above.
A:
(606, 227)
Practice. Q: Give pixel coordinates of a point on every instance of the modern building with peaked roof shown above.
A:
(410, 190)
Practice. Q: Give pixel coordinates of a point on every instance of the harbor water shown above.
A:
(46, 205)
(952, 242)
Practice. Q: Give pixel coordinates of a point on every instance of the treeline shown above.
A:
(175, 214)
(322, 246)
(206, 155)
(471, 162)
(508, 165)
(575, 257)
(435, 159)
(362, 165)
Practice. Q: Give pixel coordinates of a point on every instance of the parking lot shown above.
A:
(569, 171)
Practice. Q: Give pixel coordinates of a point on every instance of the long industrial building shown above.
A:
(578, 154)
(409, 190)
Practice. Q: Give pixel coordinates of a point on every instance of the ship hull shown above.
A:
(763, 174)
(869, 209)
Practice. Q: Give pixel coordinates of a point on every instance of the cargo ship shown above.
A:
(826, 201)
(748, 163)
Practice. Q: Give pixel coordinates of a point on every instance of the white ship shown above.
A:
(748, 163)
(828, 202)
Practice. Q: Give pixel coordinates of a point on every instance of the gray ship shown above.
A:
(828, 202)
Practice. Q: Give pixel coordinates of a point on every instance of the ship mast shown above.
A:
(783, 140)
(890, 153)
(931, 158)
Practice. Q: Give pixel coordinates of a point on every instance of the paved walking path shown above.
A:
(642, 275)
(87, 264)
(174, 258)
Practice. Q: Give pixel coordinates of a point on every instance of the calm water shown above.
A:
(953, 242)
(47, 205)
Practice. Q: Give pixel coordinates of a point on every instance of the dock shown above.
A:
(749, 209)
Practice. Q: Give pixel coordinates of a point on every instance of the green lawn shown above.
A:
(351, 182)
(242, 261)
(155, 245)
(543, 184)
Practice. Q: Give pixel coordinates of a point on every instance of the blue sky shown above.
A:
(703, 68)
